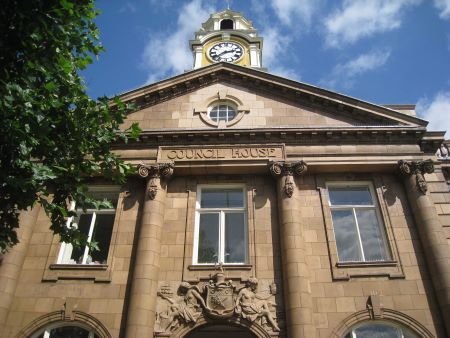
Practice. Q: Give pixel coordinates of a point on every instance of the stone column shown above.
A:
(297, 288)
(431, 234)
(144, 283)
(11, 262)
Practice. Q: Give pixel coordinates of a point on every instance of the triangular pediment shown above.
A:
(315, 104)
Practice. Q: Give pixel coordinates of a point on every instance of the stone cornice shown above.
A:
(272, 85)
(291, 136)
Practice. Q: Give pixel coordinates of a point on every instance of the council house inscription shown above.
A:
(222, 153)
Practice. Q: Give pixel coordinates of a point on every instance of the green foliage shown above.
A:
(52, 134)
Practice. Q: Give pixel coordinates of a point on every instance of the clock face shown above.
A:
(226, 51)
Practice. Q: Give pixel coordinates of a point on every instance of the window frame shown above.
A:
(354, 207)
(96, 272)
(401, 329)
(222, 212)
(46, 330)
(228, 105)
(345, 271)
(99, 193)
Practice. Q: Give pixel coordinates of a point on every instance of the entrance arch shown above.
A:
(220, 331)
(230, 327)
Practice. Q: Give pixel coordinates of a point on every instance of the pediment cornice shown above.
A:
(273, 85)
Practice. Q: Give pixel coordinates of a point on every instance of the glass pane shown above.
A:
(223, 109)
(235, 245)
(231, 114)
(350, 196)
(371, 237)
(83, 223)
(213, 114)
(376, 331)
(222, 198)
(69, 332)
(347, 241)
(102, 235)
(208, 238)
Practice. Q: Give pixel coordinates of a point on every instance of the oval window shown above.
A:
(222, 112)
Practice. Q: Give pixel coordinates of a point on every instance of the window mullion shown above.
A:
(222, 237)
(89, 239)
(359, 235)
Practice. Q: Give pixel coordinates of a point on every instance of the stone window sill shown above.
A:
(215, 267)
(98, 273)
(78, 266)
(365, 264)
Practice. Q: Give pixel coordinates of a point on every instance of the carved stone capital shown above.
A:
(288, 170)
(154, 172)
(417, 168)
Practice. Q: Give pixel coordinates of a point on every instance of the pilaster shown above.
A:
(144, 284)
(297, 289)
(432, 237)
(12, 262)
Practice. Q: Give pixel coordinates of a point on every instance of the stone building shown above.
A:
(261, 207)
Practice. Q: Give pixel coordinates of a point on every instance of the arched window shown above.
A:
(379, 330)
(68, 331)
(226, 24)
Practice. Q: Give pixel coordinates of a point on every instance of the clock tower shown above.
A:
(227, 36)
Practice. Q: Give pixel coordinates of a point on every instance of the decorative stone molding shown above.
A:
(385, 314)
(374, 306)
(218, 300)
(288, 170)
(154, 172)
(76, 317)
(222, 97)
(418, 168)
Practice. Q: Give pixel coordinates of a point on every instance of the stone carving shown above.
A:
(288, 170)
(374, 305)
(442, 152)
(218, 299)
(252, 306)
(187, 310)
(418, 168)
(154, 172)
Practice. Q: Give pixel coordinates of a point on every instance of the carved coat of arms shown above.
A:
(219, 298)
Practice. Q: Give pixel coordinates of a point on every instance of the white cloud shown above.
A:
(128, 7)
(362, 18)
(444, 7)
(289, 12)
(276, 43)
(344, 74)
(436, 111)
(166, 53)
(275, 47)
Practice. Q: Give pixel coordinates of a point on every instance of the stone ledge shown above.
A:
(214, 267)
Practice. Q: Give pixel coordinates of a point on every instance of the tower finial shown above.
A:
(228, 4)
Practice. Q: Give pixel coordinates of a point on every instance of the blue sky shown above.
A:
(381, 51)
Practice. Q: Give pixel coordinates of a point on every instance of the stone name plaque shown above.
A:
(263, 152)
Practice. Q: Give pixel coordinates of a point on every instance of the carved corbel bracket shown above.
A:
(418, 168)
(287, 170)
(153, 172)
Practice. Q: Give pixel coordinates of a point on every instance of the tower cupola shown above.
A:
(227, 36)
